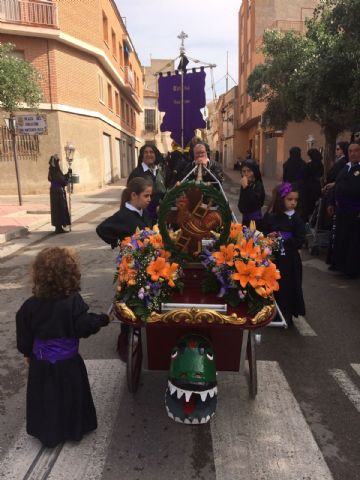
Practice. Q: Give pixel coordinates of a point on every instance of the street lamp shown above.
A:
(69, 153)
(310, 141)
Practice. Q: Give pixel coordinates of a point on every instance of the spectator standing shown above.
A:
(252, 194)
(58, 205)
(313, 172)
(149, 167)
(346, 252)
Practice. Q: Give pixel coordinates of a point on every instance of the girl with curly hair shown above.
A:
(49, 324)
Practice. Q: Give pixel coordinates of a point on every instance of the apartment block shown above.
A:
(269, 147)
(92, 84)
(152, 117)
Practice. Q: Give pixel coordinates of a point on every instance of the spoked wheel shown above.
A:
(134, 359)
(251, 355)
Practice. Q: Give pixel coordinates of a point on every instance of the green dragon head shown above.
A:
(191, 395)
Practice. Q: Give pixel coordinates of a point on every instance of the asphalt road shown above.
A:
(304, 423)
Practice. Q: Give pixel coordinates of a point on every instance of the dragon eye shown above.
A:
(210, 356)
(174, 354)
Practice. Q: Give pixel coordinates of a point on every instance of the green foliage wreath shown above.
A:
(169, 201)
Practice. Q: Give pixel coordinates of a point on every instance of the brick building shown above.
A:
(92, 83)
(270, 148)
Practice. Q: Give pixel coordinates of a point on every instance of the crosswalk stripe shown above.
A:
(347, 386)
(356, 367)
(303, 327)
(28, 460)
(265, 438)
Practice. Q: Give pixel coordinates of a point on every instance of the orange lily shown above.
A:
(247, 273)
(126, 274)
(248, 250)
(156, 241)
(226, 255)
(269, 276)
(169, 272)
(155, 268)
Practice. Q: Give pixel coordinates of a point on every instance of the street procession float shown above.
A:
(194, 289)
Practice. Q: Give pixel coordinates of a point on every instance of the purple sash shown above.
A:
(348, 205)
(55, 349)
(56, 185)
(286, 235)
(257, 215)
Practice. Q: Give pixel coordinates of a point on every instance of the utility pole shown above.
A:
(11, 125)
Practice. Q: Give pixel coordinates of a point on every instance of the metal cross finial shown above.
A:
(182, 37)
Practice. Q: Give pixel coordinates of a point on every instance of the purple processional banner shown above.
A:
(170, 103)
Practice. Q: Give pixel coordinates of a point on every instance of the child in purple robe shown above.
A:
(59, 404)
(282, 218)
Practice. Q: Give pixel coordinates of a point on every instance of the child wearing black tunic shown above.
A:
(132, 215)
(59, 404)
(282, 218)
(252, 194)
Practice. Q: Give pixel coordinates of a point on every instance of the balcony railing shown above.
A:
(38, 13)
(129, 78)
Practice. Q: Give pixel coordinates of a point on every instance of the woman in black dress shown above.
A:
(252, 194)
(59, 404)
(313, 172)
(58, 205)
(150, 168)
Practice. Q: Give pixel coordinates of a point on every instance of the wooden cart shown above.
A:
(231, 331)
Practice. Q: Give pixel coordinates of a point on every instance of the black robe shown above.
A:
(59, 404)
(313, 172)
(345, 256)
(58, 205)
(251, 199)
(290, 296)
(122, 224)
(214, 168)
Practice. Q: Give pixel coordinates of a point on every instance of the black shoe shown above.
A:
(60, 230)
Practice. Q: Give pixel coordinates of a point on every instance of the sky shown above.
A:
(211, 26)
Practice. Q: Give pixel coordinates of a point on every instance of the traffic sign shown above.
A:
(31, 124)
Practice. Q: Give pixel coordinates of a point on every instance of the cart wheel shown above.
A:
(134, 359)
(251, 355)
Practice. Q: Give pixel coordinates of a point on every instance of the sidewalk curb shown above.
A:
(14, 233)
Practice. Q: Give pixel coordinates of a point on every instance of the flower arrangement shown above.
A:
(145, 275)
(242, 269)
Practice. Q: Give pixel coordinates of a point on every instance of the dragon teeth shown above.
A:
(203, 420)
(179, 393)
(196, 421)
(188, 394)
(171, 387)
(203, 395)
(187, 421)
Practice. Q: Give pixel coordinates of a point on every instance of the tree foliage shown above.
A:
(313, 76)
(19, 81)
